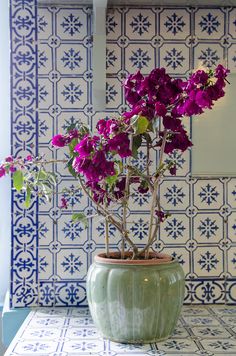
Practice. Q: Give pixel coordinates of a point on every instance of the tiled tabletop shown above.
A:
(201, 330)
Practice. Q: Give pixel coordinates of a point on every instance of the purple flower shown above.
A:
(86, 146)
(64, 204)
(74, 133)
(199, 77)
(143, 189)
(221, 71)
(9, 159)
(2, 171)
(179, 140)
(94, 169)
(203, 99)
(160, 109)
(107, 127)
(29, 158)
(161, 215)
(120, 144)
(171, 123)
(173, 170)
(59, 140)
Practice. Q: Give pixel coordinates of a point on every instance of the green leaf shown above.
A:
(70, 168)
(147, 138)
(140, 125)
(80, 217)
(52, 178)
(18, 180)
(137, 141)
(42, 175)
(46, 190)
(27, 196)
(72, 145)
(110, 180)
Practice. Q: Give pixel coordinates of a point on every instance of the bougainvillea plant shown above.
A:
(103, 163)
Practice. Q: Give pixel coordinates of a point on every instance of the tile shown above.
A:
(206, 291)
(114, 61)
(208, 54)
(71, 233)
(139, 227)
(231, 193)
(174, 23)
(113, 93)
(46, 294)
(98, 232)
(195, 310)
(71, 24)
(113, 23)
(175, 230)
(178, 346)
(175, 57)
(232, 58)
(70, 293)
(45, 22)
(230, 287)
(208, 194)
(211, 332)
(201, 321)
(139, 24)
(208, 228)
(232, 23)
(181, 254)
(228, 345)
(45, 90)
(36, 347)
(208, 261)
(45, 128)
(175, 195)
(45, 264)
(71, 265)
(45, 54)
(82, 333)
(139, 57)
(72, 59)
(209, 23)
(72, 92)
(224, 310)
(231, 261)
(182, 162)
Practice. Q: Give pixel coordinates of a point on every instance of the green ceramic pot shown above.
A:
(135, 301)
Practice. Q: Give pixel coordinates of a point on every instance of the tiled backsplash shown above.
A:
(51, 82)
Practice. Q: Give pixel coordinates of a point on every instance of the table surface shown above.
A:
(201, 330)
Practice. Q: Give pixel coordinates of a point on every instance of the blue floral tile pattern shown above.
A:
(52, 75)
(201, 330)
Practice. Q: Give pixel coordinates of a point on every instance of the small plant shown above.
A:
(104, 164)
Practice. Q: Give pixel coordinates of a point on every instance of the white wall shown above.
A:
(5, 199)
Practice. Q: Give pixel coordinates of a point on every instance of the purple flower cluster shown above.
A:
(63, 140)
(159, 95)
(93, 152)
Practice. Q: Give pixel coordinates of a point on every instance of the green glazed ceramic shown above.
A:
(135, 301)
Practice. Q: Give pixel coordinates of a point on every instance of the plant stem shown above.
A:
(107, 236)
(106, 214)
(154, 197)
(125, 202)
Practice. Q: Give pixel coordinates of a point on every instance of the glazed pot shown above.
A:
(135, 301)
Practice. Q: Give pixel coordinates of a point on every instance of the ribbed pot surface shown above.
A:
(135, 303)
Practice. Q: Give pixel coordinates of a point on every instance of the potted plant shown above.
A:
(136, 294)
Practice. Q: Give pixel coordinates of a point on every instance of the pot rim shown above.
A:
(156, 259)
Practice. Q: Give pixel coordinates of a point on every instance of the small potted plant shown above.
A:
(135, 295)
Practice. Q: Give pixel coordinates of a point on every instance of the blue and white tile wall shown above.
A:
(51, 83)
